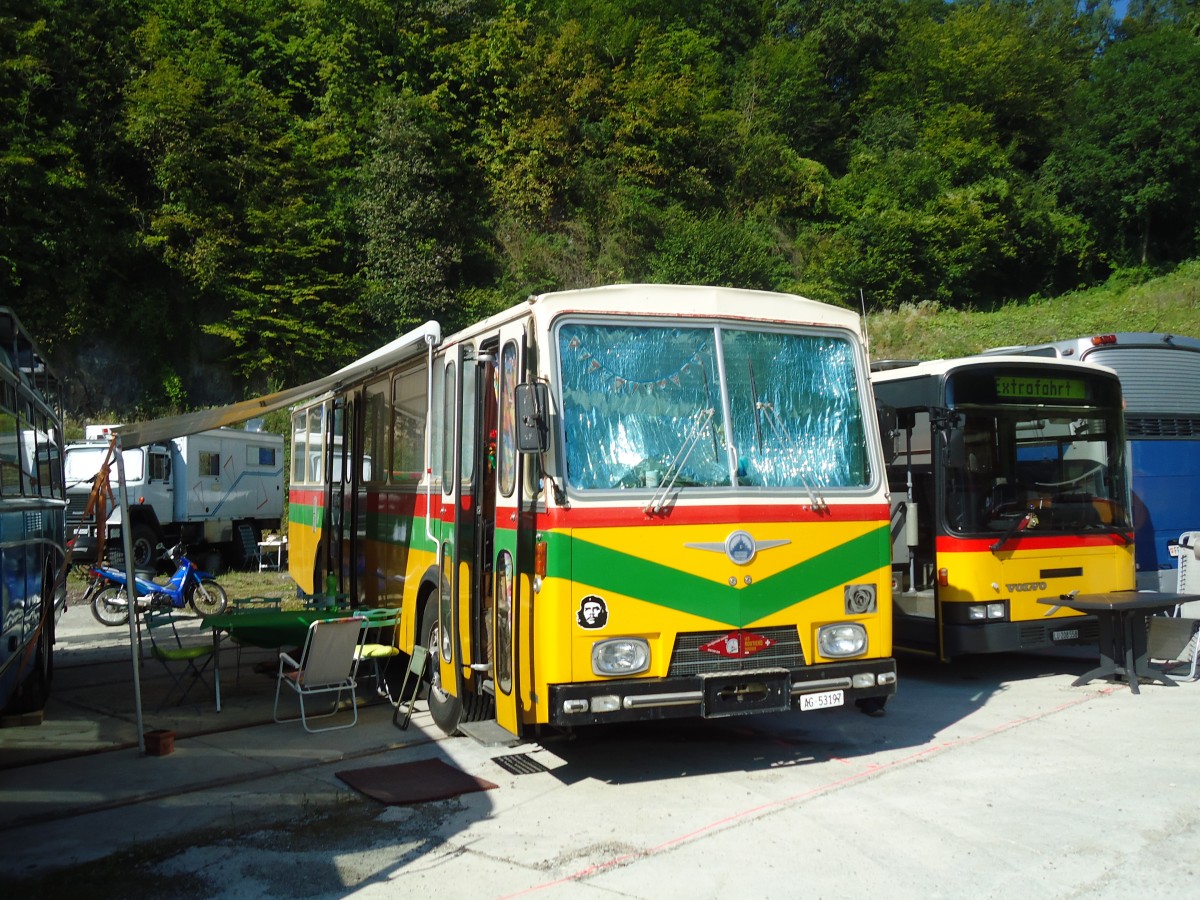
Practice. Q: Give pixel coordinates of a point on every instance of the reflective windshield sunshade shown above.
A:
(644, 400)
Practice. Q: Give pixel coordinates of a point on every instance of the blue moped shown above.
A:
(187, 587)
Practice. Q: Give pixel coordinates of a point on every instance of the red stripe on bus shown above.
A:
(947, 544)
(577, 517)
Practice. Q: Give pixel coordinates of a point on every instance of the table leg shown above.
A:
(1110, 652)
(1131, 675)
(217, 666)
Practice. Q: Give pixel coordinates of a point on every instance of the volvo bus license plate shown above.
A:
(742, 693)
(1067, 634)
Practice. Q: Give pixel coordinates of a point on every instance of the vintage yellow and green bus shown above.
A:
(617, 504)
(1010, 485)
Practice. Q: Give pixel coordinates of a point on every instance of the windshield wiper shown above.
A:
(1029, 520)
(785, 440)
(700, 420)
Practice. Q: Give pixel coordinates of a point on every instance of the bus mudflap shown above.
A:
(746, 693)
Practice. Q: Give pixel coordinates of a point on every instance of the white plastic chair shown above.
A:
(328, 664)
(1176, 639)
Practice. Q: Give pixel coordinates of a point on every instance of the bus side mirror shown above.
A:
(532, 404)
(888, 429)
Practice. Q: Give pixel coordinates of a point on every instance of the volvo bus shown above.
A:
(1160, 380)
(1009, 486)
(618, 504)
(32, 511)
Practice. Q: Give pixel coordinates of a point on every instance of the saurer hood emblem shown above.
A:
(740, 547)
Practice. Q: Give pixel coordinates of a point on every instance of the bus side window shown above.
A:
(10, 450)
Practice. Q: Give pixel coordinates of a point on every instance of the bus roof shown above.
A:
(701, 301)
(942, 367)
(1081, 346)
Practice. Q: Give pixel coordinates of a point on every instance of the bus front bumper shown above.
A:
(717, 695)
(1009, 637)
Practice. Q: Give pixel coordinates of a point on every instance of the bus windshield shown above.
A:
(1064, 470)
(725, 407)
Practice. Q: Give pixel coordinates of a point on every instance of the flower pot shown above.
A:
(160, 742)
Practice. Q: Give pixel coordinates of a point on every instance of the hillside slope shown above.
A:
(1169, 303)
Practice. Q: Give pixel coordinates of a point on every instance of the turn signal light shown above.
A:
(539, 559)
(943, 577)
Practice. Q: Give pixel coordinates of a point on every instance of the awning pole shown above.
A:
(130, 588)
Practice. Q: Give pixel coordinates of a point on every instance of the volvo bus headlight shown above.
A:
(620, 656)
(842, 639)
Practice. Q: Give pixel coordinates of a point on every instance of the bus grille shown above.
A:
(688, 659)
(1162, 426)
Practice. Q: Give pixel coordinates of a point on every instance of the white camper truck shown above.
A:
(214, 491)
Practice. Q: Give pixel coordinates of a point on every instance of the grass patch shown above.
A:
(1129, 301)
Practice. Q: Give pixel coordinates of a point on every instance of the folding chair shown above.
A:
(1174, 641)
(328, 664)
(408, 697)
(185, 660)
(381, 624)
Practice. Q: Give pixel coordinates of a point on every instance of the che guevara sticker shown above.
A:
(593, 612)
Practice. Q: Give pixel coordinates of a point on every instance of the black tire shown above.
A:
(872, 706)
(145, 545)
(36, 689)
(108, 612)
(448, 712)
(209, 598)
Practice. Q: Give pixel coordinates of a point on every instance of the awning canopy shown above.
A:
(404, 347)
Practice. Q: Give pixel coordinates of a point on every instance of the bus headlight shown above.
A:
(620, 656)
(981, 612)
(842, 639)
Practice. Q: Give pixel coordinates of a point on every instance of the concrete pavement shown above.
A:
(990, 778)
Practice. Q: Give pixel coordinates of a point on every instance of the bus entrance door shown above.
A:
(510, 530)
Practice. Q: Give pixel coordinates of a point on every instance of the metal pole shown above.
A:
(130, 589)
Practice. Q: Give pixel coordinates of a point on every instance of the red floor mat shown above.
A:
(415, 782)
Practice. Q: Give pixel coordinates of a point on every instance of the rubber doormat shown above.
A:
(415, 782)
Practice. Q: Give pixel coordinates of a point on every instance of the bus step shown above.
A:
(489, 734)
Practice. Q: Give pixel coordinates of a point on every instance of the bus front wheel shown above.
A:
(872, 706)
(445, 709)
(448, 711)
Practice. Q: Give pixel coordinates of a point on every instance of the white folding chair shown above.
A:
(328, 664)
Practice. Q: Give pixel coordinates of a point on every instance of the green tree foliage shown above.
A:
(66, 234)
(1130, 162)
(285, 184)
(407, 208)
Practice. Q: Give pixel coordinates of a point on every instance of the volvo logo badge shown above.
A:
(740, 547)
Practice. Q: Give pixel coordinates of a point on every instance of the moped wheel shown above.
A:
(110, 606)
(209, 598)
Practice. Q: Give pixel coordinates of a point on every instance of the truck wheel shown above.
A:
(144, 543)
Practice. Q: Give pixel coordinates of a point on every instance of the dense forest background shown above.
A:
(204, 199)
